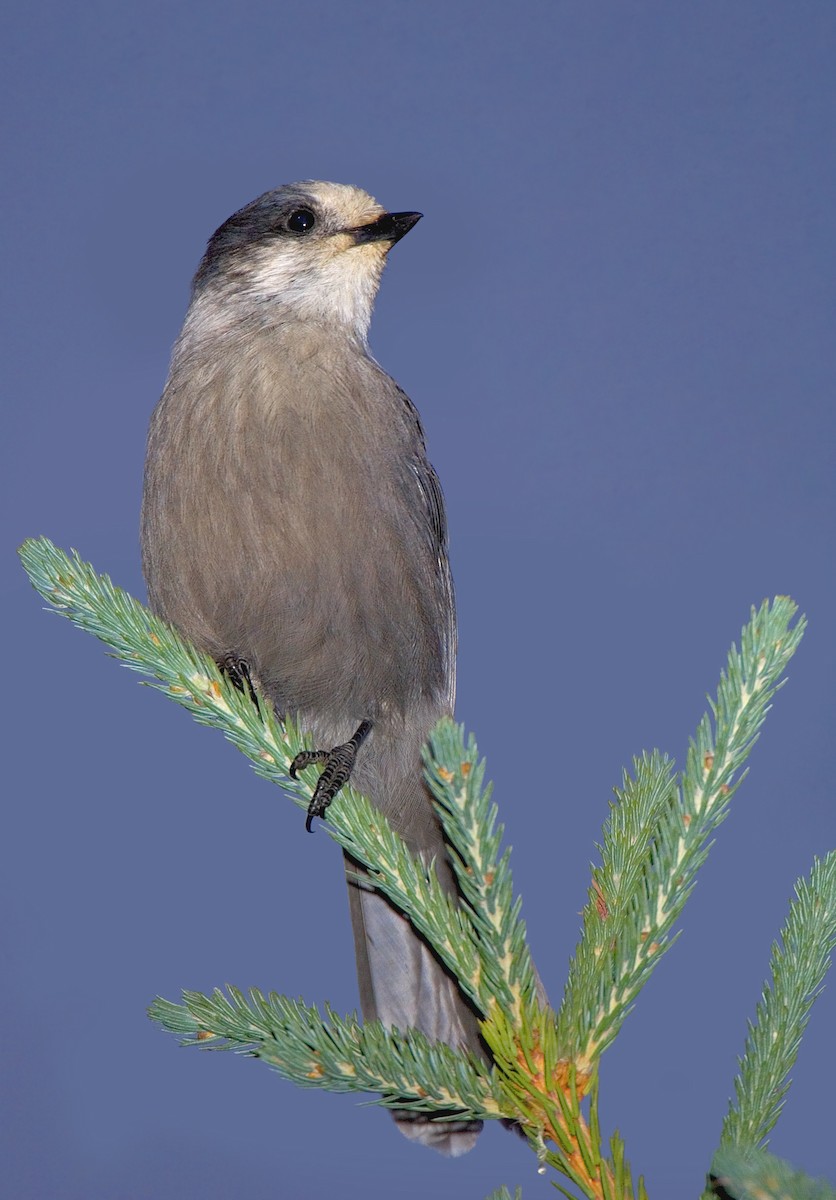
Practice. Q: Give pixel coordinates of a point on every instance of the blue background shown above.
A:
(617, 321)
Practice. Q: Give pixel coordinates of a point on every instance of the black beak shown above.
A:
(391, 227)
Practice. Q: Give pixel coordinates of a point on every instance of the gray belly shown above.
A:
(285, 544)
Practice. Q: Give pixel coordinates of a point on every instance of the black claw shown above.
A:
(306, 758)
(237, 670)
(339, 764)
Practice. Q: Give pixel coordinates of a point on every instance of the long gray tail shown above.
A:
(402, 983)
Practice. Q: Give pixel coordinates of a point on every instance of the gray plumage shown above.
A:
(291, 520)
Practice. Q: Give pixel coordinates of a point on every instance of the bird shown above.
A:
(294, 529)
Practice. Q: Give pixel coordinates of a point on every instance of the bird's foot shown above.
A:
(237, 671)
(336, 772)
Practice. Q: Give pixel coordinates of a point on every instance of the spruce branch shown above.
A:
(657, 838)
(338, 1054)
(146, 644)
(757, 1175)
(540, 1088)
(455, 776)
(411, 884)
(616, 955)
(546, 1094)
(545, 1070)
(798, 965)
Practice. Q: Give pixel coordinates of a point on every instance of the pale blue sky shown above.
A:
(617, 322)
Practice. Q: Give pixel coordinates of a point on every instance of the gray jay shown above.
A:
(293, 528)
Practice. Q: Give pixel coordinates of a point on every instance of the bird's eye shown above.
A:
(301, 220)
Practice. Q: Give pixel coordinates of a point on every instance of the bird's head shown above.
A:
(308, 251)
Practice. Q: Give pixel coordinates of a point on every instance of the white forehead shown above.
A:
(352, 204)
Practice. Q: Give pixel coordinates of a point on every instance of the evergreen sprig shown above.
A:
(149, 645)
(410, 883)
(455, 776)
(755, 1174)
(338, 1054)
(545, 1069)
(798, 965)
(547, 1094)
(616, 955)
(658, 838)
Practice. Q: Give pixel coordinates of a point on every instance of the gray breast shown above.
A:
(284, 520)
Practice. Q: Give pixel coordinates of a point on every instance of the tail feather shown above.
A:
(402, 981)
(403, 984)
(451, 1138)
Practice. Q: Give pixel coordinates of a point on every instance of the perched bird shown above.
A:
(293, 527)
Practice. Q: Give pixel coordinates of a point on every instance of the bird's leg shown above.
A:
(339, 764)
(237, 671)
